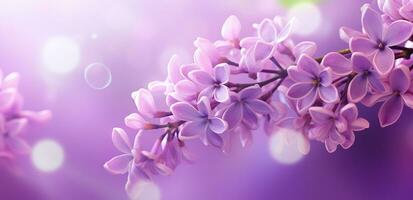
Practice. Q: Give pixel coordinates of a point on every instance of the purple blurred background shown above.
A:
(134, 40)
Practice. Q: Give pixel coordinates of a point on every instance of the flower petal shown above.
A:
(18, 145)
(338, 63)
(375, 82)
(357, 88)
(398, 32)
(372, 24)
(390, 111)
(191, 130)
(121, 140)
(185, 111)
(299, 75)
(118, 164)
(259, 106)
(321, 115)
(400, 79)
(360, 124)
(252, 92)
(134, 121)
(221, 93)
(361, 63)
(16, 126)
(307, 102)
(250, 118)
(300, 90)
(328, 94)
(231, 28)
(384, 60)
(233, 114)
(222, 73)
(325, 77)
(217, 125)
(309, 65)
(362, 45)
(267, 31)
(7, 98)
(201, 77)
(349, 112)
(214, 139)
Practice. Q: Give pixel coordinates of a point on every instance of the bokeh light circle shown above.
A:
(98, 76)
(307, 18)
(145, 190)
(61, 55)
(47, 155)
(284, 146)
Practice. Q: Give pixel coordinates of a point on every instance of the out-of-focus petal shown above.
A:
(233, 114)
(16, 126)
(118, 164)
(121, 140)
(231, 28)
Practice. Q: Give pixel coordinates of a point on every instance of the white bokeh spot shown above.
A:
(61, 55)
(47, 155)
(145, 190)
(286, 146)
(307, 18)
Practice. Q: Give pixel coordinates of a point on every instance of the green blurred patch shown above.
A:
(289, 3)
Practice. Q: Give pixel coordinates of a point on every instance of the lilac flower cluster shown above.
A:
(13, 119)
(236, 85)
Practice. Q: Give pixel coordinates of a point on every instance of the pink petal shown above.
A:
(18, 145)
(363, 45)
(263, 51)
(300, 90)
(252, 92)
(221, 94)
(38, 117)
(408, 99)
(118, 164)
(357, 88)
(321, 115)
(384, 60)
(250, 118)
(372, 24)
(309, 65)
(299, 75)
(134, 121)
(338, 63)
(307, 102)
(174, 73)
(7, 99)
(214, 140)
(390, 111)
(191, 130)
(349, 112)
(202, 60)
(185, 88)
(222, 73)
(267, 31)
(185, 111)
(326, 77)
(233, 114)
(231, 28)
(361, 63)
(360, 124)
(305, 47)
(398, 32)
(400, 79)
(16, 126)
(121, 140)
(201, 77)
(204, 106)
(328, 94)
(217, 125)
(11, 81)
(145, 102)
(259, 106)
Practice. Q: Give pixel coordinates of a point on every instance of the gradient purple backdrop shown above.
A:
(135, 39)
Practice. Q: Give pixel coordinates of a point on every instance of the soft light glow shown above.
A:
(289, 3)
(145, 190)
(284, 146)
(47, 155)
(61, 55)
(307, 18)
(98, 76)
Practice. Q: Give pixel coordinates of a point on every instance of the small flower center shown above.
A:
(381, 45)
(317, 81)
(366, 73)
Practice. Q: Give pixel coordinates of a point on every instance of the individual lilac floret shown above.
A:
(138, 164)
(366, 78)
(215, 85)
(339, 64)
(398, 94)
(336, 129)
(245, 106)
(10, 136)
(311, 81)
(200, 122)
(380, 39)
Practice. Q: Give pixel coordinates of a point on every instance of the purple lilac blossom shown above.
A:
(239, 83)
